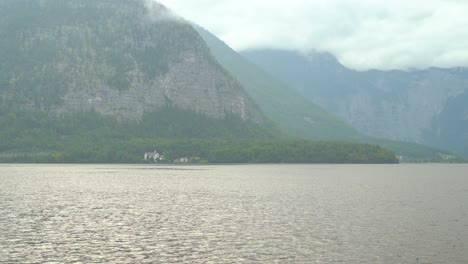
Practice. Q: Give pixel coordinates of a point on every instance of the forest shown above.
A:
(90, 137)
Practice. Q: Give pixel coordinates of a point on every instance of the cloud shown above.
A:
(362, 34)
(159, 13)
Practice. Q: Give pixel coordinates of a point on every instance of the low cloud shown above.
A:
(159, 13)
(363, 34)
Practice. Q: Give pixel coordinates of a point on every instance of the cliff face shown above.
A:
(424, 106)
(398, 105)
(118, 57)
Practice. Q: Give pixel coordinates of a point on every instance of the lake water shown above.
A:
(234, 214)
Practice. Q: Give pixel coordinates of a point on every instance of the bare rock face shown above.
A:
(117, 57)
(423, 106)
(399, 105)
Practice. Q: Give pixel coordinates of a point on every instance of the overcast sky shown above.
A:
(363, 34)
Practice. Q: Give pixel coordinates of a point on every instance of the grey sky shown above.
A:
(363, 34)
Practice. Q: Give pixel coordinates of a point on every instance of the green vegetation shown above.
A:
(286, 108)
(58, 58)
(49, 47)
(92, 138)
(409, 152)
(365, 98)
(301, 118)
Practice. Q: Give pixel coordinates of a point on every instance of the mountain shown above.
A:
(81, 79)
(300, 117)
(120, 58)
(109, 80)
(423, 106)
(285, 107)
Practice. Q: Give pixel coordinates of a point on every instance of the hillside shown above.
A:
(422, 106)
(109, 80)
(300, 117)
(285, 107)
(120, 58)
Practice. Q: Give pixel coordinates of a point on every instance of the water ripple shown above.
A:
(233, 214)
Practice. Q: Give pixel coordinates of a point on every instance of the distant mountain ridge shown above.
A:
(107, 80)
(278, 102)
(424, 106)
(299, 117)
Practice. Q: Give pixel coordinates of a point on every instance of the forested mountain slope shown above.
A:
(300, 117)
(117, 57)
(278, 102)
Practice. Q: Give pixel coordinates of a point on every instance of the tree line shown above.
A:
(92, 138)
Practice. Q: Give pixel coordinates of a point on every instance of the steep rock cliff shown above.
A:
(118, 57)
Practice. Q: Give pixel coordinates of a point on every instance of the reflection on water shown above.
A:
(234, 214)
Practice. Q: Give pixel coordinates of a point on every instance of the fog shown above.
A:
(362, 34)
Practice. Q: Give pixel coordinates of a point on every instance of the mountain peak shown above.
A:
(323, 59)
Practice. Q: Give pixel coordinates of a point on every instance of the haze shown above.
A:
(362, 34)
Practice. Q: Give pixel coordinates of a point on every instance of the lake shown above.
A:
(234, 214)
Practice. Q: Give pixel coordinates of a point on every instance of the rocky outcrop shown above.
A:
(117, 57)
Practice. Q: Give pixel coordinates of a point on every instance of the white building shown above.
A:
(154, 156)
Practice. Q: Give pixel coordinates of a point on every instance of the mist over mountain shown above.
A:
(424, 106)
(109, 80)
(81, 79)
(362, 34)
(285, 107)
(299, 117)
